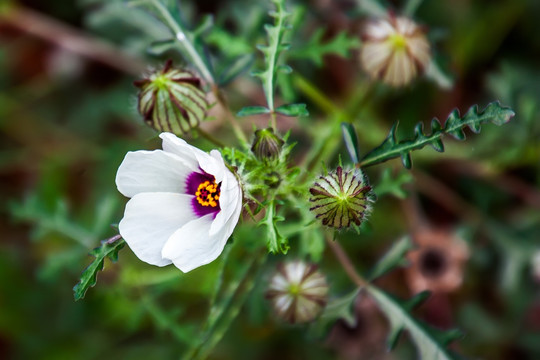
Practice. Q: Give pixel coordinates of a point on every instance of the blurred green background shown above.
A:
(67, 118)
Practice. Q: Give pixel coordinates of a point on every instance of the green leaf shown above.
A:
(235, 68)
(253, 110)
(315, 49)
(393, 258)
(454, 125)
(340, 308)
(89, 276)
(272, 50)
(393, 184)
(430, 343)
(293, 110)
(275, 241)
(351, 140)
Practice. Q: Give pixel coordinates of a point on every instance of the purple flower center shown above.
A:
(205, 193)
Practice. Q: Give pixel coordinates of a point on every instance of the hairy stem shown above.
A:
(180, 36)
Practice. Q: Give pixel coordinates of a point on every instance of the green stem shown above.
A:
(181, 37)
(273, 123)
(222, 315)
(272, 59)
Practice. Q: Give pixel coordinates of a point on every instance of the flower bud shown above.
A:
(266, 145)
(171, 100)
(341, 198)
(298, 292)
(395, 50)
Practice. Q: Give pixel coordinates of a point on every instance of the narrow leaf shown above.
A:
(89, 275)
(293, 110)
(430, 343)
(253, 110)
(351, 140)
(340, 308)
(393, 258)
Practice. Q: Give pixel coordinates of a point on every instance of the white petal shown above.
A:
(379, 30)
(149, 221)
(152, 171)
(375, 56)
(211, 163)
(192, 246)
(230, 200)
(173, 144)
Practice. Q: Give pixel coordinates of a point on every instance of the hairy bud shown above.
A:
(341, 198)
(298, 292)
(267, 145)
(172, 100)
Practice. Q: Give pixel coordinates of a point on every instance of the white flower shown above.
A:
(394, 50)
(184, 204)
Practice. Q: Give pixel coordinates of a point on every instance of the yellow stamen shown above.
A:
(208, 194)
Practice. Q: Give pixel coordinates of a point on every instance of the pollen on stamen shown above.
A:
(207, 194)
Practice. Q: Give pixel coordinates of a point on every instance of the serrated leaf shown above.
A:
(89, 275)
(351, 140)
(392, 148)
(253, 110)
(430, 343)
(293, 110)
(340, 308)
(393, 258)
(315, 49)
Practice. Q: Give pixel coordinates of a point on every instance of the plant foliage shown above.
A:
(430, 343)
(454, 126)
(108, 249)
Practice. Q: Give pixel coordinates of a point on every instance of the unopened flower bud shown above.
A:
(267, 145)
(395, 50)
(298, 292)
(341, 198)
(171, 100)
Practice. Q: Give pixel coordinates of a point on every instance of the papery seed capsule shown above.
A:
(395, 50)
(172, 100)
(266, 145)
(298, 292)
(341, 198)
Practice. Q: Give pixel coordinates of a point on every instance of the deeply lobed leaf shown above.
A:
(454, 125)
(89, 275)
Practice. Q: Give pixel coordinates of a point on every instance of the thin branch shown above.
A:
(346, 262)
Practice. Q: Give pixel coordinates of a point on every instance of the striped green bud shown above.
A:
(341, 198)
(172, 100)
